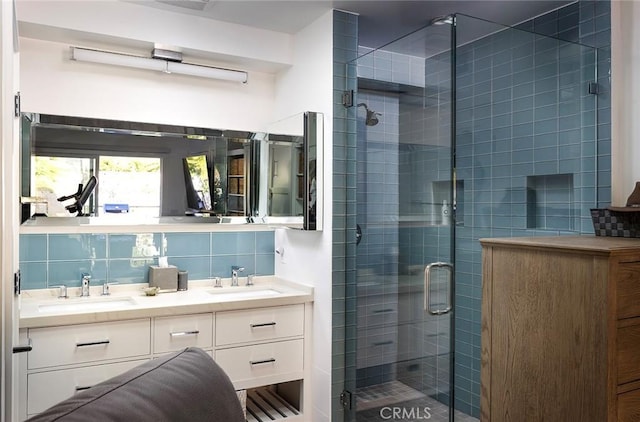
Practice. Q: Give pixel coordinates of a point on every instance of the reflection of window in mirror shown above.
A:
(140, 175)
(54, 177)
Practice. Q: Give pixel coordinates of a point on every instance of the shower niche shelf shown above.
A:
(549, 201)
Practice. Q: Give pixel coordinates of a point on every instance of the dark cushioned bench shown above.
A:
(187, 386)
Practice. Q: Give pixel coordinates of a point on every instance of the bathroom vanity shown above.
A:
(560, 329)
(258, 334)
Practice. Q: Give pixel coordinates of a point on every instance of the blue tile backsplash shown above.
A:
(50, 260)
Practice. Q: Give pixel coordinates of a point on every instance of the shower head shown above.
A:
(372, 116)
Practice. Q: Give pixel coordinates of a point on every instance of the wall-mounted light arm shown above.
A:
(127, 60)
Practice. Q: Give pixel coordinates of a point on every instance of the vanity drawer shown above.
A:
(74, 344)
(259, 324)
(44, 389)
(177, 332)
(629, 406)
(628, 353)
(628, 292)
(278, 361)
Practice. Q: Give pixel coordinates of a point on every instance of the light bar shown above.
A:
(117, 59)
(207, 72)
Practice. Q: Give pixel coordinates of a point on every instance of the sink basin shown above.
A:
(243, 293)
(87, 304)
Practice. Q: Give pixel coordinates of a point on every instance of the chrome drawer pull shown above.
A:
(383, 311)
(83, 388)
(93, 343)
(185, 333)
(382, 343)
(264, 324)
(260, 362)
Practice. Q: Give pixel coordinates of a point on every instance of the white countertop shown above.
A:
(200, 297)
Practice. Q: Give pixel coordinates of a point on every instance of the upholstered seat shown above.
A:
(187, 386)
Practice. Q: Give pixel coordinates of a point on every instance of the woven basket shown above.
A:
(612, 223)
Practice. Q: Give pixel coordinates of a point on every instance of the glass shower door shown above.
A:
(508, 147)
(404, 258)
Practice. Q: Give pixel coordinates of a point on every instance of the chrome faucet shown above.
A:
(105, 288)
(86, 278)
(234, 274)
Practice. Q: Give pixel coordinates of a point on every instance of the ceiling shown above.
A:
(380, 22)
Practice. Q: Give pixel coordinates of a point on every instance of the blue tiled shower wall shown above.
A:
(533, 150)
(48, 260)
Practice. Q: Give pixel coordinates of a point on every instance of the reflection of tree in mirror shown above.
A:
(125, 164)
(53, 177)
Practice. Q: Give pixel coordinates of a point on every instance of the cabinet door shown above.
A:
(73, 344)
(177, 332)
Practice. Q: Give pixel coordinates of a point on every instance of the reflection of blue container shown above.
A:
(116, 208)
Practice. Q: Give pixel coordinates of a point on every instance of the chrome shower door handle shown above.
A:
(429, 269)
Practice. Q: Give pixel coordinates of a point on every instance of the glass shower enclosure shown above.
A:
(465, 129)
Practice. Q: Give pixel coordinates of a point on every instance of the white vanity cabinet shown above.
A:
(263, 347)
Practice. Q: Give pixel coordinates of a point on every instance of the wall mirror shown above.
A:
(156, 171)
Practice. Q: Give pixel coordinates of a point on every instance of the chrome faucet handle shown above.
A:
(105, 287)
(250, 280)
(234, 274)
(86, 279)
(62, 291)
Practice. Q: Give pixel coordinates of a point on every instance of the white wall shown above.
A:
(308, 85)
(53, 84)
(9, 215)
(625, 99)
(138, 26)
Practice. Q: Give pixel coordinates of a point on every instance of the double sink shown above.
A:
(102, 303)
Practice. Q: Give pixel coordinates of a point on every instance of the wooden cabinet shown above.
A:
(560, 329)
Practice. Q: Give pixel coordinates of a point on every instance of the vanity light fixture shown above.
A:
(158, 64)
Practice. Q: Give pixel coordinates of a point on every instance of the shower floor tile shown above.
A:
(408, 404)
(379, 395)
